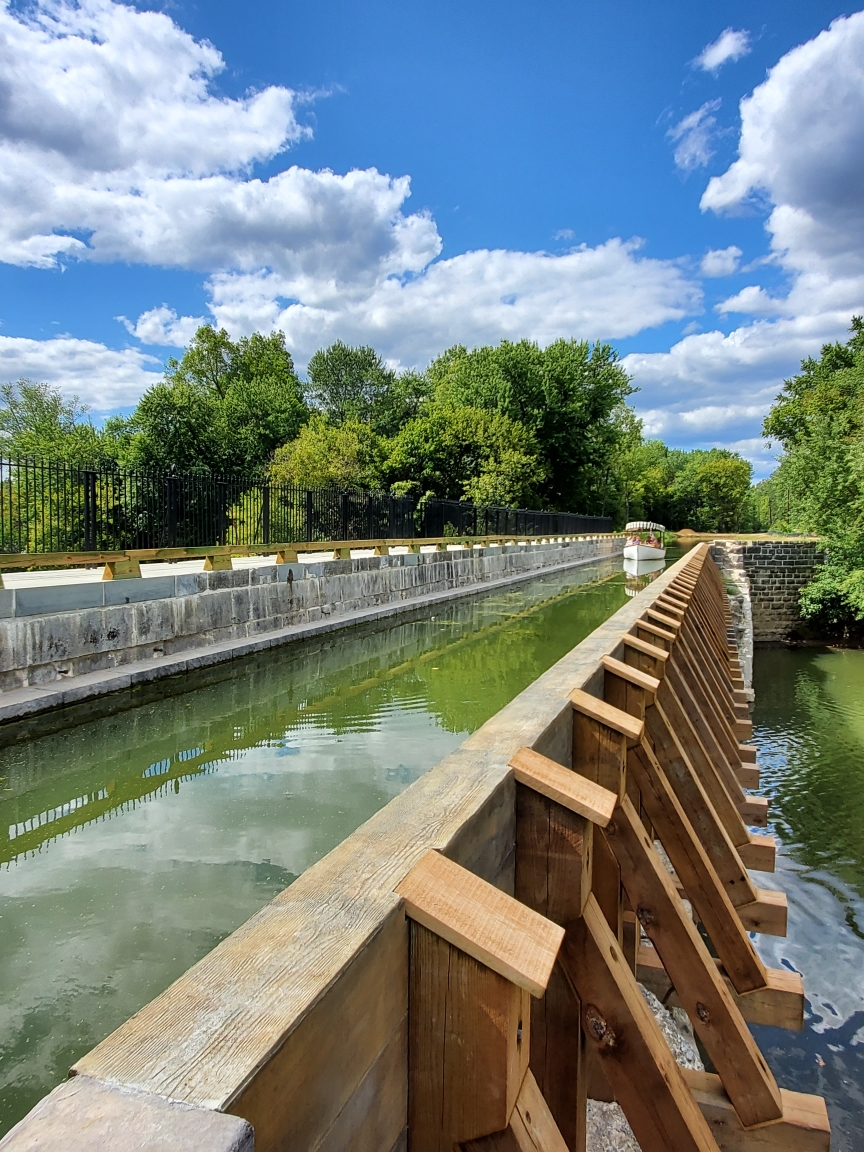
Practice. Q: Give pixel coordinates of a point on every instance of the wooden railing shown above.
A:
(462, 970)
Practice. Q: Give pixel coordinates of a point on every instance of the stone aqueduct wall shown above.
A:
(770, 574)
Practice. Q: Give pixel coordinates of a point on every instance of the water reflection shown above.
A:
(132, 844)
(640, 573)
(809, 728)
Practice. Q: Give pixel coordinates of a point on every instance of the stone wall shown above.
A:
(770, 575)
(65, 632)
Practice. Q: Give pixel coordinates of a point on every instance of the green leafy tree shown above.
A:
(348, 383)
(225, 407)
(348, 455)
(37, 420)
(458, 451)
(566, 395)
(818, 419)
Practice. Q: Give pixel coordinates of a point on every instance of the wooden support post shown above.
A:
(720, 1026)
(803, 1127)
(127, 569)
(619, 1027)
(476, 957)
(555, 815)
(779, 1004)
(218, 562)
(286, 556)
(693, 867)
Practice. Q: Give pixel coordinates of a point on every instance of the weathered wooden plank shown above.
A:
(553, 876)
(619, 1027)
(606, 715)
(780, 1003)
(804, 1126)
(565, 787)
(731, 1047)
(468, 1044)
(489, 925)
(701, 882)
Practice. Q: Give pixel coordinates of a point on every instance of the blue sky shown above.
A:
(414, 175)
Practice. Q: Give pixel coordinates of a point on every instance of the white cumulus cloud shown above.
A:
(162, 326)
(721, 261)
(477, 297)
(101, 377)
(692, 137)
(801, 157)
(731, 44)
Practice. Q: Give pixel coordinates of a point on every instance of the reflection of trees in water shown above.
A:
(462, 666)
(813, 756)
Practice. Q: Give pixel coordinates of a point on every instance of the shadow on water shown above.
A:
(809, 729)
(131, 844)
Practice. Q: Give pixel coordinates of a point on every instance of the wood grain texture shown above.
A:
(641, 679)
(804, 1127)
(498, 931)
(553, 876)
(564, 786)
(606, 715)
(621, 1030)
(212, 1034)
(469, 1040)
(706, 999)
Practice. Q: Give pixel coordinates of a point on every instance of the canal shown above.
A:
(809, 729)
(132, 844)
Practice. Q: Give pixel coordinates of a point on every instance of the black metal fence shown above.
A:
(49, 506)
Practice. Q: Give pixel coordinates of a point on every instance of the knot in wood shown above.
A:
(644, 915)
(702, 1012)
(597, 1028)
(611, 828)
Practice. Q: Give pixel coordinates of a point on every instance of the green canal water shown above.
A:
(132, 844)
(809, 729)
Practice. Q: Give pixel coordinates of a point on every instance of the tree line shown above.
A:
(818, 420)
(513, 424)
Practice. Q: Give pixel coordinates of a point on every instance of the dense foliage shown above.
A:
(512, 424)
(819, 486)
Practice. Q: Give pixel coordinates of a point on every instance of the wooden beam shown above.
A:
(779, 1004)
(712, 833)
(620, 1028)
(804, 1126)
(532, 1127)
(648, 684)
(554, 849)
(702, 884)
(606, 715)
(706, 999)
(482, 920)
(768, 913)
(468, 1045)
(760, 853)
(564, 786)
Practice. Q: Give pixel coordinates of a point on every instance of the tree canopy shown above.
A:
(818, 419)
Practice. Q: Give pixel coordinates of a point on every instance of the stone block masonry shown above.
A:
(63, 644)
(770, 575)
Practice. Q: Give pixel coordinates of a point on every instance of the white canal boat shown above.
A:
(642, 543)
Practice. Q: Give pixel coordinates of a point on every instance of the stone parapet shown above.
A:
(770, 575)
(64, 653)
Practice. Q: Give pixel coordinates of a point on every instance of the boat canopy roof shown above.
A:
(643, 525)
